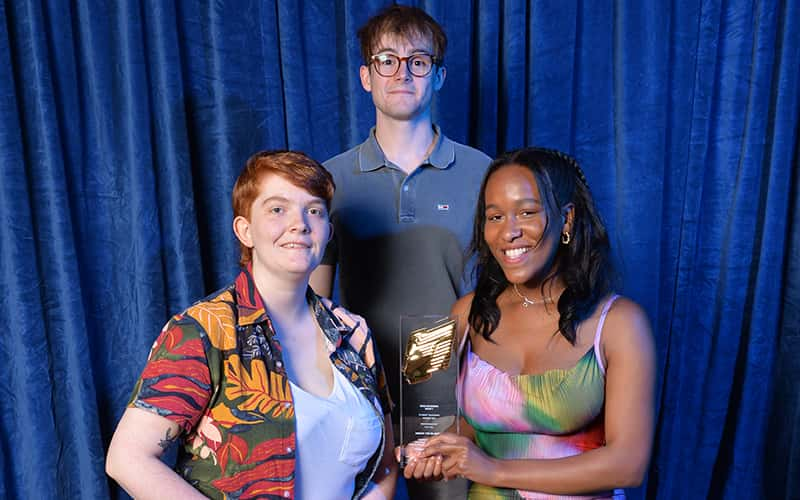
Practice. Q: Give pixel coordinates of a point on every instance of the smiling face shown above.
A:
(287, 229)
(402, 97)
(520, 234)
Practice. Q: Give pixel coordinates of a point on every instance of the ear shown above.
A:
(567, 217)
(439, 77)
(330, 231)
(241, 228)
(363, 73)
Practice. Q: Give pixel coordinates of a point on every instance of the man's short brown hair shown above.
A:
(405, 22)
(294, 166)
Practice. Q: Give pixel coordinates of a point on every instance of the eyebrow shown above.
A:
(314, 201)
(518, 202)
(414, 50)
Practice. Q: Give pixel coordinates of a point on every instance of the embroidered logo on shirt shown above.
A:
(442, 207)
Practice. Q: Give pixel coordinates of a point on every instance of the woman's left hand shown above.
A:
(461, 457)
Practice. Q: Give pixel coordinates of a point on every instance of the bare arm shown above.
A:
(133, 457)
(622, 462)
(321, 280)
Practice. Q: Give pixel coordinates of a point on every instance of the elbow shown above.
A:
(112, 463)
(117, 461)
(632, 475)
(632, 481)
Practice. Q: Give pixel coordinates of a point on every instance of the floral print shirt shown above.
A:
(216, 370)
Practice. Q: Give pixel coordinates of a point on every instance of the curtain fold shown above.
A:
(125, 124)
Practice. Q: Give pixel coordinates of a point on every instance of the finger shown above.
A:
(441, 449)
(419, 470)
(344, 316)
(451, 467)
(445, 437)
(437, 468)
(352, 321)
(408, 470)
(430, 467)
(413, 450)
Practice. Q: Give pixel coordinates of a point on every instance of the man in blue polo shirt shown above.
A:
(405, 198)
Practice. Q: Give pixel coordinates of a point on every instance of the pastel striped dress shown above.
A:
(555, 414)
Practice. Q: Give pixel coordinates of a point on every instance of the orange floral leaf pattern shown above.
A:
(235, 449)
(216, 319)
(263, 392)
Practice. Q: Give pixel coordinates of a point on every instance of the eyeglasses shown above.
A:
(419, 64)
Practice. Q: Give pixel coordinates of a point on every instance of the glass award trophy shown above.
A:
(429, 374)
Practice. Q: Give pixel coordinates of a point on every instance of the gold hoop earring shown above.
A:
(565, 238)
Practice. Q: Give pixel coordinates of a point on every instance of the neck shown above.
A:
(284, 298)
(405, 143)
(541, 291)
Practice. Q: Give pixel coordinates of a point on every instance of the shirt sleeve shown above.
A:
(176, 381)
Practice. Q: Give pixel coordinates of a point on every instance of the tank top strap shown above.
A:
(599, 331)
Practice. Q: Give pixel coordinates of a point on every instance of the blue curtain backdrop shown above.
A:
(123, 125)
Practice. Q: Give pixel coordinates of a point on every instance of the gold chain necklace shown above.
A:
(526, 302)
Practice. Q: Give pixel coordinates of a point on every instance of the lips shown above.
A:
(514, 255)
(294, 245)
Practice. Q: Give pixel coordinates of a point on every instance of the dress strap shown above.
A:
(464, 340)
(599, 331)
(461, 358)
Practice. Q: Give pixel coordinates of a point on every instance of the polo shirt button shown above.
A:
(288, 449)
(405, 188)
(286, 494)
(278, 364)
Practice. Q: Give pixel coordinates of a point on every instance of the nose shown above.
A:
(299, 224)
(511, 231)
(403, 73)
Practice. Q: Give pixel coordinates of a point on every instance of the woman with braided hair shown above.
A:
(557, 384)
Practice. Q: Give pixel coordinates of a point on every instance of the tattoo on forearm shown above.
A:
(168, 440)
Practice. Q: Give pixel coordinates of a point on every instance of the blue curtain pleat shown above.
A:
(49, 366)
(124, 125)
(181, 265)
(783, 450)
(764, 201)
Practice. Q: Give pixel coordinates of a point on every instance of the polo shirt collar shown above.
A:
(371, 157)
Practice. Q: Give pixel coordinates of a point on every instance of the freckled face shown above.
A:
(516, 225)
(288, 229)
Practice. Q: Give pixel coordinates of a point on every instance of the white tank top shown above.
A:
(336, 436)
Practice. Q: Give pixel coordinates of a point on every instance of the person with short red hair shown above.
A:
(269, 393)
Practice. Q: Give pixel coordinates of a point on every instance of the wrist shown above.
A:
(494, 472)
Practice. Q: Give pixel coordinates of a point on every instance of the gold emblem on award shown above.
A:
(428, 350)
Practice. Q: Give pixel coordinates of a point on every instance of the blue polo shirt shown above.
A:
(399, 240)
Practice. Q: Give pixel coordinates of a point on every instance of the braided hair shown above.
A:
(583, 265)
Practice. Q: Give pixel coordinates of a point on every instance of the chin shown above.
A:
(521, 276)
(402, 114)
